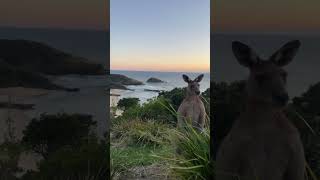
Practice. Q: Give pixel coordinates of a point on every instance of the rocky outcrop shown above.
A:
(154, 80)
(119, 81)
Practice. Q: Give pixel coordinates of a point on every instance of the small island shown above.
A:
(154, 80)
(119, 81)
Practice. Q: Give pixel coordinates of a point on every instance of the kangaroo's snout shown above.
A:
(281, 99)
(198, 92)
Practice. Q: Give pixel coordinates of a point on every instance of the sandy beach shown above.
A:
(115, 96)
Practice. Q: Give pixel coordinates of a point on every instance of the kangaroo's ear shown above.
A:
(244, 54)
(186, 78)
(286, 53)
(199, 78)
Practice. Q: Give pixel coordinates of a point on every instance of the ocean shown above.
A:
(172, 80)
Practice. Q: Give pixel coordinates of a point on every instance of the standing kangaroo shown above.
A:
(192, 107)
(262, 143)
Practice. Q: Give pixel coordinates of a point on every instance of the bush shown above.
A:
(174, 97)
(127, 103)
(155, 109)
(88, 161)
(51, 132)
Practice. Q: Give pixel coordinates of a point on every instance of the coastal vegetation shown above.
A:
(66, 144)
(144, 140)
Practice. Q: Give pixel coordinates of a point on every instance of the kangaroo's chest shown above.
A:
(266, 145)
(193, 108)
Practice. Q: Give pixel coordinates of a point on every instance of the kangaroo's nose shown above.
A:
(197, 92)
(283, 98)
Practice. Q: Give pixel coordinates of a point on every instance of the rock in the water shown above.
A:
(118, 81)
(154, 80)
(152, 90)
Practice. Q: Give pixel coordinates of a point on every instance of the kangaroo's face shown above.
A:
(267, 79)
(193, 85)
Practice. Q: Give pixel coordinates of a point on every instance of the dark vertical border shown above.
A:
(108, 89)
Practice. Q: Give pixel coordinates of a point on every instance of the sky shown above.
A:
(160, 35)
(59, 14)
(262, 16)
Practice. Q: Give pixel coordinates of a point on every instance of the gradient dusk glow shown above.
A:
(265, 16)
(160, 35)
(59, 14)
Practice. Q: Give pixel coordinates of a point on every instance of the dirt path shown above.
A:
(151, 172)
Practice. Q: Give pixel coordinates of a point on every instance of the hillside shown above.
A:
(12, 77)
(39, 57)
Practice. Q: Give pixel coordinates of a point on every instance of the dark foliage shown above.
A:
(89, 160)
(52, 132)
(227, 103)
(126, 103)
(307, 105)
(174, 96)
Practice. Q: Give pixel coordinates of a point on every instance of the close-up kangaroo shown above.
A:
(192, 108)
(262, 143)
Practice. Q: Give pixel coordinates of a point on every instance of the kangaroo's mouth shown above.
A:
(281, 100)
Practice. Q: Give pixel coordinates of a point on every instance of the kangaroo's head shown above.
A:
(193, 85)
(267, 79)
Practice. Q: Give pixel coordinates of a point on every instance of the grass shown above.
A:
(140, 142)
(134, 142)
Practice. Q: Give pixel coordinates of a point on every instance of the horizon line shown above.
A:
(306, 33)
(206, 72)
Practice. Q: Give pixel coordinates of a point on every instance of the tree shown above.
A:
(175, 96)
(126, 103)
(51, 132)
(89, 161)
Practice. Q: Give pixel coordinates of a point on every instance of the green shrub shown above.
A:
(174, 97)
(127, 103)
(51, 132)
(88, 161)
(154, 109)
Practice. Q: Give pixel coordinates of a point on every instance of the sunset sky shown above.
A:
(263, 16)
(160, 35)
(60, 14)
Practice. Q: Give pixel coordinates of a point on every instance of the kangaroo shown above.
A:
(192, 107)
(262, 143)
